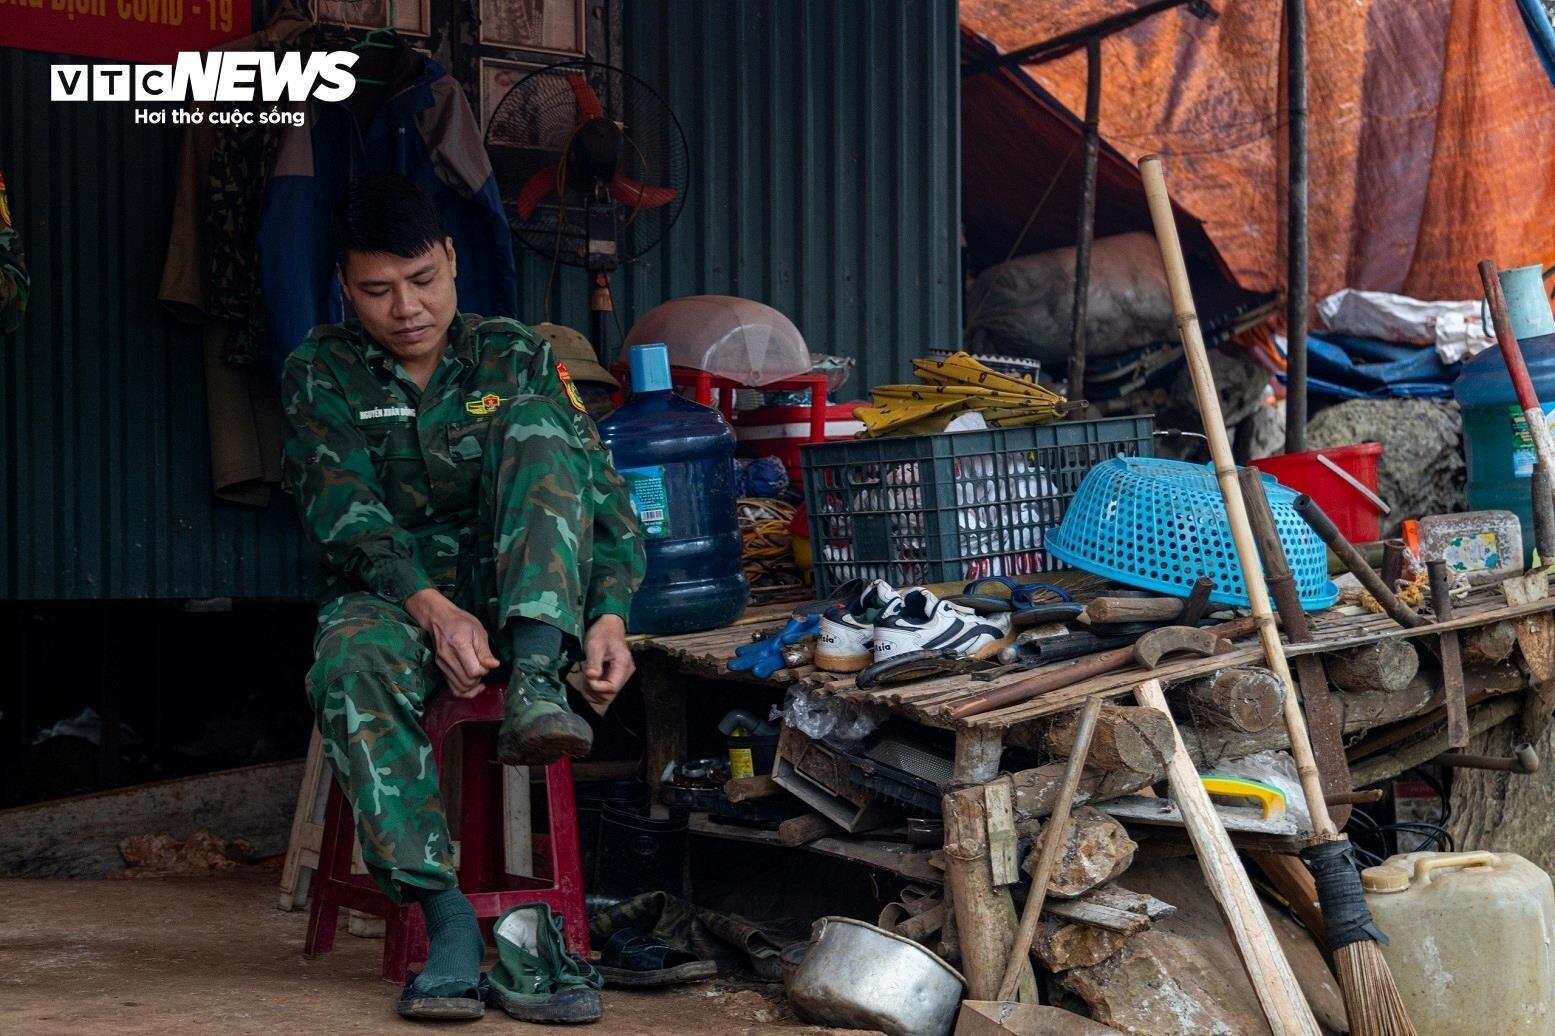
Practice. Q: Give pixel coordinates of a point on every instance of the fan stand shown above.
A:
(601, 261)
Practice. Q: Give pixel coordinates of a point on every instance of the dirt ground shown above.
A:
(173, 955)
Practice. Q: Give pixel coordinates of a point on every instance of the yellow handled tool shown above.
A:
(1269, 798)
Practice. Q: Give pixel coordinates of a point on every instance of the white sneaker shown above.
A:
(847, 630)
(919, 621)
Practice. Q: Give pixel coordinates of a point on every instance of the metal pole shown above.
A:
(1087, 228)
(1296, 236)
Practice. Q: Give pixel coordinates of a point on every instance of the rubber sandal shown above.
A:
(536, 979)
(915, 665)
(442, 1008)
(1018, 600)
(630, 958)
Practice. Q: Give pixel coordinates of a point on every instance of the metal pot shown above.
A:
(857, 976)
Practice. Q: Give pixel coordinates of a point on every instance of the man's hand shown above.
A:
(458, 640)
(607, 661)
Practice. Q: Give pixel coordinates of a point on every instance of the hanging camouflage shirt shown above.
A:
(388, 475)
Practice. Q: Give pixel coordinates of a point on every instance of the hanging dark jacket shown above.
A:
(423, 129)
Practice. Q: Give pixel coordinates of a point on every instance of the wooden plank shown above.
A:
(297, 845)
(895, 857)
(1143, 809)
(78, 837)
(1002, 839)
(518, 840)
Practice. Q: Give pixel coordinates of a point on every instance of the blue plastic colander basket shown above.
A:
(1161, 524)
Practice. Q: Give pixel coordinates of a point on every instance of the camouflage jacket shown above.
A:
(386, 475)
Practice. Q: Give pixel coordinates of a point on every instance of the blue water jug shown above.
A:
(677, 457)
(1497, 446)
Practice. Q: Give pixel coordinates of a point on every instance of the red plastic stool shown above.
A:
(482, 876)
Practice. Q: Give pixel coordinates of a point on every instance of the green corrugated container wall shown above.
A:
(824, 181)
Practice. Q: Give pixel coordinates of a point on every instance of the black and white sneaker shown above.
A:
(919, 621)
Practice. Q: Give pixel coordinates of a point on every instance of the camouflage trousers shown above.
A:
(374, 669)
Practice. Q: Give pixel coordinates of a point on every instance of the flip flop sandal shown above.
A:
(442, 1008)
(1018, 600)
(915, 665)
(536, 979)
(630, 958)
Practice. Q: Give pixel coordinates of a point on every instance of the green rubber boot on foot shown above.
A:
(539, 728)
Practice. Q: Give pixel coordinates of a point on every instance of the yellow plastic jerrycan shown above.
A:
(1471, 941)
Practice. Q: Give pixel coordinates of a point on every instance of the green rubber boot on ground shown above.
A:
(536, 979)
(539, 728)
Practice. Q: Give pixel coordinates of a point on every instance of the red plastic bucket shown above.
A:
(1356, 516)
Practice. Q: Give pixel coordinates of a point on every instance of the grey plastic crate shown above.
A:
(955, 506)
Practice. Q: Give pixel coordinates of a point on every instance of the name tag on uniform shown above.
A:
(385, 411)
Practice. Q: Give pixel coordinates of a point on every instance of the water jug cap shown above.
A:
(650, 367)
(1385, 878)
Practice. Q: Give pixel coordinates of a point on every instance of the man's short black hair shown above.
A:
(385, 213)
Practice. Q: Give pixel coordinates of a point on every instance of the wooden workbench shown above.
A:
(980, 739)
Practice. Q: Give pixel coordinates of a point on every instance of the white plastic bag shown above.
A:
(1455, 329)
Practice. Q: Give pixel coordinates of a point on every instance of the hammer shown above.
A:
(1147, 651)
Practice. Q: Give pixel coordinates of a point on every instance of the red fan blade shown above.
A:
(629, 192)
(537, 187)
(588, 104)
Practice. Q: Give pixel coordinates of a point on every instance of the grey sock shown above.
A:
(536, 644)
(454, 957)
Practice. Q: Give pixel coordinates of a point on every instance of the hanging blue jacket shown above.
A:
(425, 130)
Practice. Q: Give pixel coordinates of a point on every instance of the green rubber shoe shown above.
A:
(536, 979)
(540, 732)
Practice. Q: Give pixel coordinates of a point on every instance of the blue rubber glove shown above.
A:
(761, 658)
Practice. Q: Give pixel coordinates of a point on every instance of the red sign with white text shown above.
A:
(129, 30)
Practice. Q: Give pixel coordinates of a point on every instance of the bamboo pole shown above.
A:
(1230, 490)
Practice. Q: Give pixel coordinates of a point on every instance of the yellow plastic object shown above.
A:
(1270, 799)
(1471, 941)
(953, 386)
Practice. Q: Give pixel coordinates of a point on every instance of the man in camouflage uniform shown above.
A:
(13, 270)
(469, 519)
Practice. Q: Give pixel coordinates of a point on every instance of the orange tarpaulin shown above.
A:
(1431, 130)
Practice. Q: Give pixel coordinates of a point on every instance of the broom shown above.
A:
(1371, 998)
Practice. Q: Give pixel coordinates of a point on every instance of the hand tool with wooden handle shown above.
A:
(1512, 354)
(1323, 722)
(1066, 674)
(1452, 657)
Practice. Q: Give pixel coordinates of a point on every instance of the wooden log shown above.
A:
(1096, 849)
(1127, 738)
(1060, 946)
(803, 830)
(745, 789)
(1244, 698)
(1386, 665)
(1036, 790)
(920, 927)
(1133, 609)
(985, 914)
(1487, 645)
